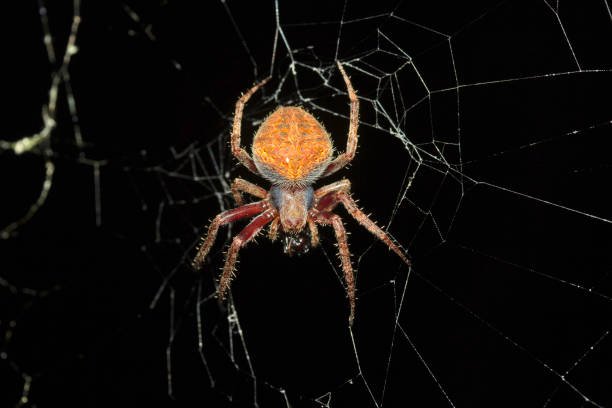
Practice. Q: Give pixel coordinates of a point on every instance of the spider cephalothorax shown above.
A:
(292, 150)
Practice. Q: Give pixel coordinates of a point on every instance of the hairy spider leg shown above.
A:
(351, 143)
(242, 185)
(314, 232)
(237, 150)
(273, 232)
(363, 219)
(326, 201)
(330, 200)
(248, 233)
(327, 218)
(225, 218)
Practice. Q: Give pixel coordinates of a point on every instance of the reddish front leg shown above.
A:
(329, 201)
(325, 199)
(327, 218)
(225, 218)
(370, 225)
(247, 234)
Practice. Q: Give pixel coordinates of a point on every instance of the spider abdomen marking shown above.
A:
(291, 147)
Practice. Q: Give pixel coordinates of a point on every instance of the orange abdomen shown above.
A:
(292, 145)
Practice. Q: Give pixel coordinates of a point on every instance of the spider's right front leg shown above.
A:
(225, 218)
(248, 233)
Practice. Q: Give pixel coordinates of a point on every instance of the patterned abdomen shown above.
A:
(291, 146)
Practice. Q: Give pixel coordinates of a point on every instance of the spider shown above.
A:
(292, 150)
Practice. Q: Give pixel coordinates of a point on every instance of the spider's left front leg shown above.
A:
(328, 197)
(325, 196)
(327, 218)
(247, 234)
(363, 219)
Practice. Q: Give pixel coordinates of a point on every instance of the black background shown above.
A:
(521, 266)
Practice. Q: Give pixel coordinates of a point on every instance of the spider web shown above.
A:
(482, 150)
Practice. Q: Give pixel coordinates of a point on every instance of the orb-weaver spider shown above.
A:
(292, 150)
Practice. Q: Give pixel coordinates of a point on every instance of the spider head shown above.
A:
(292, 204)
